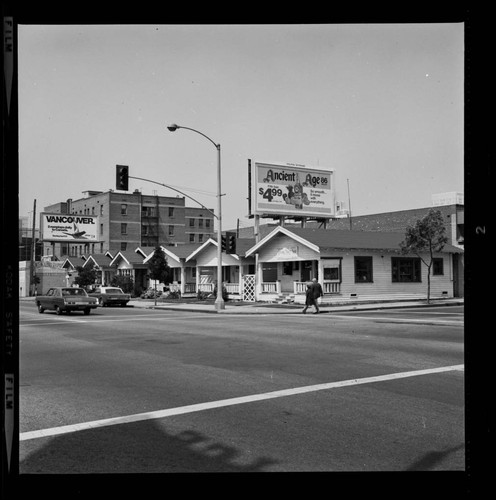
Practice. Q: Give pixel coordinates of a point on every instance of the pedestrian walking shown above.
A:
(313, 293)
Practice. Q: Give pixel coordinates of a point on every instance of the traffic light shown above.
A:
(230, 242)
(121, 177)
(223, 245)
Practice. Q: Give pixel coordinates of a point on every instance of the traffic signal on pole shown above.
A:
(223, 245)
(121, 177)
(230, 243)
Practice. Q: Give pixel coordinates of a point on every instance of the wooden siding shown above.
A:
(271, 252)
(382, 277)
(208, 257)
(382, 285)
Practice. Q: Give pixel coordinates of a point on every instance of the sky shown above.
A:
(380, 104)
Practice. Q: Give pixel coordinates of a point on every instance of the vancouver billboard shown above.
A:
(292, 190)
(69, 228)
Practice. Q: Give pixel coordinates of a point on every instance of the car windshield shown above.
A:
(73, 291)
(114, 290)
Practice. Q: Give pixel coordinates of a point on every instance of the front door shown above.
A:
(306, 270)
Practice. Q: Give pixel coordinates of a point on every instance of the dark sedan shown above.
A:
(66, 299)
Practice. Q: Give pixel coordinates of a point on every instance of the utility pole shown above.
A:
(349, 200)
(33, 252)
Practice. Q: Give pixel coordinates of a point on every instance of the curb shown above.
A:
(297, 310)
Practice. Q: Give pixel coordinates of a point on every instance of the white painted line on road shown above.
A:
(452, 322)
(153, 415)
(110, 319)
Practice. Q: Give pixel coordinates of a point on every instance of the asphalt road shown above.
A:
(193, 392)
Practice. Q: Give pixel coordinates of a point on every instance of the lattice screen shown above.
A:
(249, 287)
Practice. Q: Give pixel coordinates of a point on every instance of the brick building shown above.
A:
(130, 220)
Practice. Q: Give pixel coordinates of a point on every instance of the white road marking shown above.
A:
(452, 322)
(108, 319)
(153, 415)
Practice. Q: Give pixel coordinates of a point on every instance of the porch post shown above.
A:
(321, 272)
(183, 279)
(259, 278)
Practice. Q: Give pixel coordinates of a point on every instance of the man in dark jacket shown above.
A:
(314, 291)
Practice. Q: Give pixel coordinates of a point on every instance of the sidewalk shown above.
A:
(261, 308)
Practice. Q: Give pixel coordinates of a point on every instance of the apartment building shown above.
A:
(130, 220)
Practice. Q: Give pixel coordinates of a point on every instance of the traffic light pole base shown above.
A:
(220, 304)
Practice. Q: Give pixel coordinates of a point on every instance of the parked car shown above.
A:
(66, 299)
(110, 296)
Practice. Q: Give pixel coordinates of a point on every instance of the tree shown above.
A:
(158, 268)
(427, 235)
(86, 276)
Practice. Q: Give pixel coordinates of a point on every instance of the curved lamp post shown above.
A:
(219, 301)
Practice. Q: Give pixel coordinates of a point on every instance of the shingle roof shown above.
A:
(331, 239)
(130, 256)
(183, 251)
(100, 258)
(243, 245)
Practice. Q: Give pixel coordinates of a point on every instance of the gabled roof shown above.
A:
(183, 251)
(131, 258)
(145, 251)
(243, 245)
(193, 255)
(100, 259)
(71, 261)
(274, 233)
(178, 253)
(326, 240)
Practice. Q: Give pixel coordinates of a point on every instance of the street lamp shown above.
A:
(219, 301)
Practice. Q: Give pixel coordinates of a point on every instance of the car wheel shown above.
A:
(58, 310)
(87, 311)
(41, 310)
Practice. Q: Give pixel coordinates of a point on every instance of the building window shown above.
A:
(101, 247)
(144, 230)
(123, 228)
(171, 211)
(101, 209)
(171, 230)
(148, 211)
(123, 209)
(191, 238)
(405, 270)
(207, 223)
(438, 266)
(192, 223)
(331, 273)
(200, 222)
(200, 238)
(101, 228)
(363, 270)
(123, 246)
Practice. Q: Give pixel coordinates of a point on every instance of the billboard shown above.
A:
(292, 190)
(70, 228)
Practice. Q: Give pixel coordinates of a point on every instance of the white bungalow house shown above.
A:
(127, 263)
(234, 267)
(183, 272)
(349, 265)
(101, 263)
